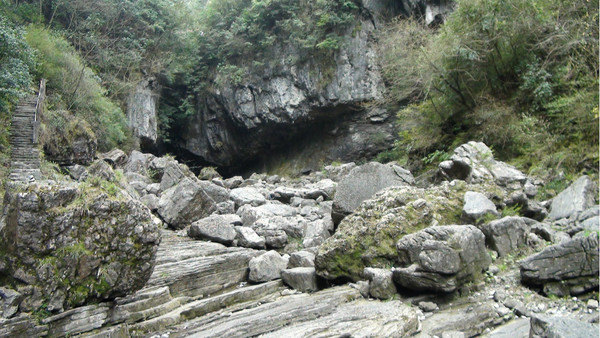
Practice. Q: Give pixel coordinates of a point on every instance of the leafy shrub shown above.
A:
(17, 61)
(74, 87)
(520, 75)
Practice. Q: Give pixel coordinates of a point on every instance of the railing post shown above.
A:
(39, 109)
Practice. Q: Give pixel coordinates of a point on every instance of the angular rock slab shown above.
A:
(266, 267)
(561, 327)
(216, 228)
(506, 235)
(301, 279)
(363, 182)
(381, 284)
(477, 205)
(570, 267)
(185, 203)
(441, 258)
(578, 197)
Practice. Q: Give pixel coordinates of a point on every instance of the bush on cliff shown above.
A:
(521, 76)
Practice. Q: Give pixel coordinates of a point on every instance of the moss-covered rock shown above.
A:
(368, 237)
(68, 245)
(68, 139)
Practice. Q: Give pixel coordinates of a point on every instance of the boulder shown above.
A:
(578, 197)
(506, 235)
(317, 232)
(9, 302)
(248, 238)
(67, 245)
(363, 182)
(184, 204)
(247, 195)
(137, 163)
(474, 162)
(303, 279)
(570, 267)
(101, 169)
(301, 259)
(151, 201)
(116, 158)
(381, 285)
(216, 228)
(209, 173)
(477, 205)
(441, 258)
(560, 327)
(174, 173)
(368, 237)
(77, 172)
(250, 214)
(266, 267)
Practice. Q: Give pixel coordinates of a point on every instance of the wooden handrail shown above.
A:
(39, 110)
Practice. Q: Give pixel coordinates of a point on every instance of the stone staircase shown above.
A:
(25, 156)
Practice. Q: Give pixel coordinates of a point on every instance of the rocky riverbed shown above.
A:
(138, 245)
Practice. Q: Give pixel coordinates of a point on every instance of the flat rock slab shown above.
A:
(192, 268)
(470, 319)
(518, 328)
(338, 311)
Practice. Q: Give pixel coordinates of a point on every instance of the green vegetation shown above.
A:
(522, 76)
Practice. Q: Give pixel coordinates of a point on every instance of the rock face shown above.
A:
(67, 245)
(567, 268)
(363, 182)
(441, 258)
(236, 123)
(141, 112)
(578, 197)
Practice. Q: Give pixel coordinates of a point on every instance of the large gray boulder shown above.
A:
(506, 235)
(66, 245)
(185, 203)
(9, 302)
(173, 173)
(301, 259)
(266, 267)
(477, 205)
(216, 228)
(303, 279)
(578, 197)
(570, 267)
(363, 182)
(247, 195)
(441, 258)
(248, 238)
(474, 162)
(560, 327)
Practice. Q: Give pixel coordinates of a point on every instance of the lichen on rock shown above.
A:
(64, 245)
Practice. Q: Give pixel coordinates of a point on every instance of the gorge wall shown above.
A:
(304, 112)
